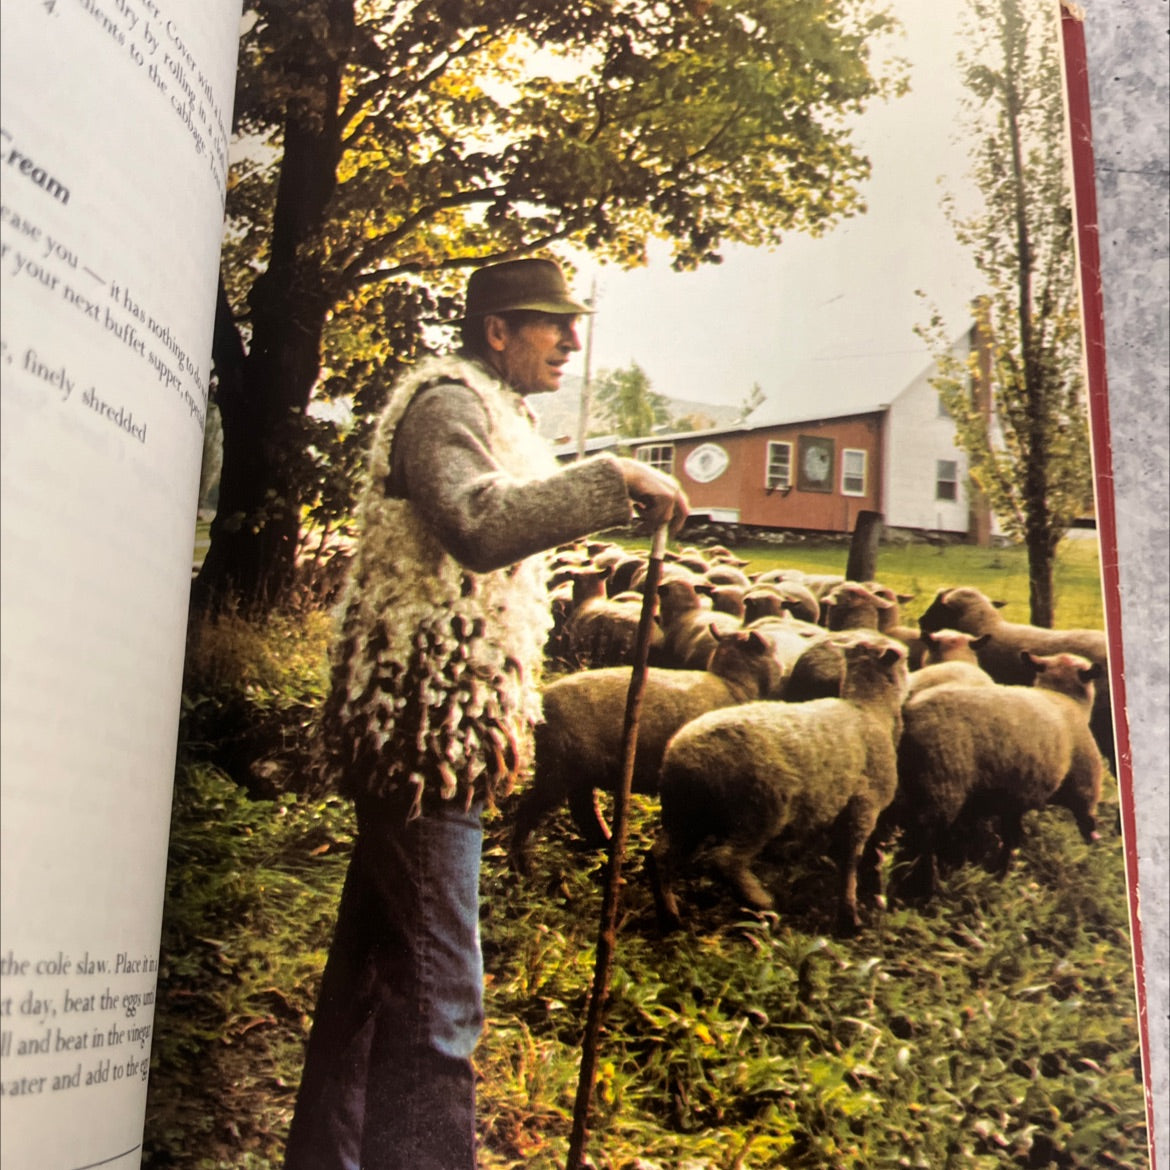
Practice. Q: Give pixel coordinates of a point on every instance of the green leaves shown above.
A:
(1019, 401)
(627, 403)
(995, 1028)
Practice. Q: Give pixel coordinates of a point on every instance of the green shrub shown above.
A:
(994, 1028)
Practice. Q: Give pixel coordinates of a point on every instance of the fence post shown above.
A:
(863, 549)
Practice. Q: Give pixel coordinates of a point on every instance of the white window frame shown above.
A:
(940, 479)
(779, 482)
(863, 475)
(660, 456)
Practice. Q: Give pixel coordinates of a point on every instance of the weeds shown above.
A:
(993, 1028)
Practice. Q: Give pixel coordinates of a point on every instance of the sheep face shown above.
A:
(1067, 674)
(748, 654)
(853, 606)
(953, 646)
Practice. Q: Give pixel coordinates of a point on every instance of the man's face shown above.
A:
(531, 356)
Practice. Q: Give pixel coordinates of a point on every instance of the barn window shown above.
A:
(853, 463)
(947, 480)
(659, 455)
(779, 473)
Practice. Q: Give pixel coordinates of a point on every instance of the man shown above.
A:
(434, 693)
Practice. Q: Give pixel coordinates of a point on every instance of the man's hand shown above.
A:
(656, 497)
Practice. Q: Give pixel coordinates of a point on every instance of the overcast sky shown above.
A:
(809, 319)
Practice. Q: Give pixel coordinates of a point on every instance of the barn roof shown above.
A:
(839, 387)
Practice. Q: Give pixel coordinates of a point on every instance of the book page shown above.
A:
(113, 152)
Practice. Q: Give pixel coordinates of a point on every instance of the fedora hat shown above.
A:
(537, 285)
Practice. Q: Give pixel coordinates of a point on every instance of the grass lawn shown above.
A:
(995, 1027)
(920, 569)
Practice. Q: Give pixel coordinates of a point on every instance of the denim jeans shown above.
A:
(388, 1082)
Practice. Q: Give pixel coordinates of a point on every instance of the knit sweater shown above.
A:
(442, 626)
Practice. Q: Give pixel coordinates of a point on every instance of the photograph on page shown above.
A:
(691, 398)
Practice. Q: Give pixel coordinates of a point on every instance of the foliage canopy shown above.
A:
(1029, 453)
(392, 145)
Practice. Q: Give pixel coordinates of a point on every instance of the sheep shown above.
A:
(775, 576)
(687, 625)
(734, 779)
(820, 670)
(947, 674)
(951, 660)
(599, 631)
(969, 753)
(853, 606)
(951, 646)
(671, 571)
(772, 598)
(972, 612)
(791, 639)
(821, 583)
(724, 598)
(722, 573)
(889, 622)
(579, 744)
(622, 576)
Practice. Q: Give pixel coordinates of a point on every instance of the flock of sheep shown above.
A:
(787, 703)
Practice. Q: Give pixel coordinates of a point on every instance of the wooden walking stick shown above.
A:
(607, 933)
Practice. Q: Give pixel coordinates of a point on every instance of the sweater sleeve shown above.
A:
(483, 516)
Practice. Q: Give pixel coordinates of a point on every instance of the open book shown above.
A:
(114, 145)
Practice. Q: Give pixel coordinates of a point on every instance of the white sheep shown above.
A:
(969, 753)
(946, 674)
(688, 626)
(952, 646)
(579, 744)
(973, 612)
(951, 660)
(600, 631)
(853, 606)
(735, 779)
(771, 599)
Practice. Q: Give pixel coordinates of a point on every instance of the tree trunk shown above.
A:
(1040, 590)
(1038, 518)
(262, 393)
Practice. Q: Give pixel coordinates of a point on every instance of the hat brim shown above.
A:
(563, 308)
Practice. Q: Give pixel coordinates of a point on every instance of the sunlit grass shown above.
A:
(993, 1028)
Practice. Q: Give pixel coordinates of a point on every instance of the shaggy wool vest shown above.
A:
(435, 667)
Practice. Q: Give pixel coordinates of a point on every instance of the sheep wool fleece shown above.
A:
(435, 669)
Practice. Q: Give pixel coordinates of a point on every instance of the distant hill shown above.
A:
(557, 414)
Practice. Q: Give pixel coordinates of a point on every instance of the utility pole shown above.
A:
(586, 387)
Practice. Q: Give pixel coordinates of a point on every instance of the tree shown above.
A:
(1029, 453)
(628, 402)
(752, 401)
(693, 420)
(392, 144)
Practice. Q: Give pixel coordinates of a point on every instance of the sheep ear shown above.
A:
(999, 604)
(757, 643)
(715, 633)
(1030, 659)
(891, 656)
(903, 598)
(930, 637)
(1090, 673)
(980, 642)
